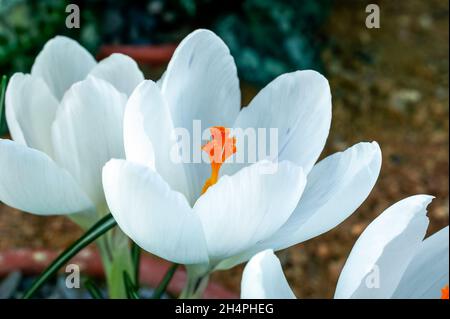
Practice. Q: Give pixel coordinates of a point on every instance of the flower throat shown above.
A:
(219, 148)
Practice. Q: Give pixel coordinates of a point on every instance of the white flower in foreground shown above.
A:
(66, 122)
(159, 203)
(389, 260)
(393, 247)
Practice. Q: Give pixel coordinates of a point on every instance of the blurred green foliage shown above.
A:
(3, 81)
(266, 37)
(24, 27)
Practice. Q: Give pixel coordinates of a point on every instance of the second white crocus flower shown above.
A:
(65, 119)
(182, 212)
(389, 260)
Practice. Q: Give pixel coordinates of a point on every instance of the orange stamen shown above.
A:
(221, 147)
(444, 292)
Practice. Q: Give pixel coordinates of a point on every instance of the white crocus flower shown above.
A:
(66, 122)
(162, 205)
(389, 260)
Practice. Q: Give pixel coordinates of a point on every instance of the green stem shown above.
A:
(2, 99)
(131, 289)
(195, 286)
(136, 259)
(101, 227)
(162, 287)
(117, 259)
(94, 291)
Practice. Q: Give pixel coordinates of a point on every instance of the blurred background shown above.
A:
(388, 84)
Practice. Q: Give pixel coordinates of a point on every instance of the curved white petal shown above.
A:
(148, 136)
(382, 253)
(121, 71)
(427, 273)
(201, 84)
(30, 111)
(263, 278)
(88, 132)
(138, 145)
(32, 182)
(61, 63)
(248, 207)
(298, 106)
(158, 219)
(159, 82)
(336, 187)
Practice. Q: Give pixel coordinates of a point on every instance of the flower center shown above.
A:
(221, 147)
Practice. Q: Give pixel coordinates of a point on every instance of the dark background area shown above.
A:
(266, 37)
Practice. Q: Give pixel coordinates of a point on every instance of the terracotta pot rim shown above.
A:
(152, 54)
(152, 269)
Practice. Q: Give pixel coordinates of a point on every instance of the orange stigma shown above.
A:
(444, 292)
(221, 147)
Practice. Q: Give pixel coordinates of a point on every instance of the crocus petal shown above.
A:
(427, 273)
(87, 132)
(298, 106)
(121, 71)
(61, 63)
(30, 111)
(201, 84)
(263, 278)
(383, 251)
(157, 218)
(148, 135)
(138, 145)
(159, 82)
(32, 182)
(248, 207)
(336, 187)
